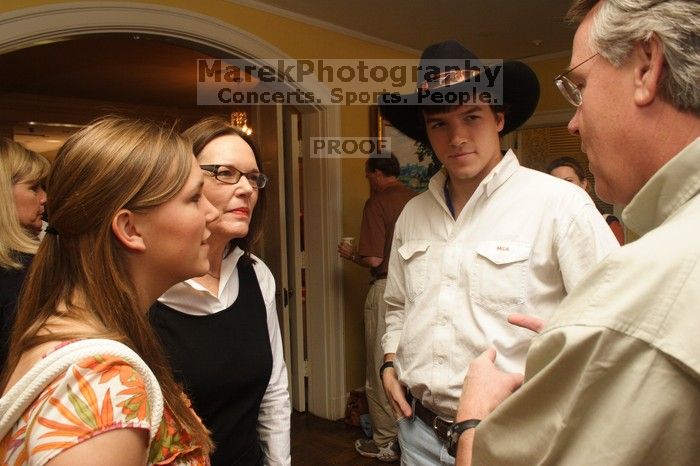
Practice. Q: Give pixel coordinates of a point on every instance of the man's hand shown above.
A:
(346, 250)
(485, 387)
(527, 321)
(396, 394)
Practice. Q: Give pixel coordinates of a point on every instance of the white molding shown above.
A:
(324, 25)
(326, 342)
(31, 26)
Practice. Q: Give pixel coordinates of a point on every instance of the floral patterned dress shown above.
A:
(95, 395)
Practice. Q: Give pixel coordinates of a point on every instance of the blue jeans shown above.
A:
(420, 446)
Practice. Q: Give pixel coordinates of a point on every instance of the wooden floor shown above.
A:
(318, 442)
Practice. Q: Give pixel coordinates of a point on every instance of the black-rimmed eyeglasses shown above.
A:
(570, 90)
(231, 175)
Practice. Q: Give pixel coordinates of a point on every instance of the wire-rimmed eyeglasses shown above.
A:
(570, 90)
(231, 175)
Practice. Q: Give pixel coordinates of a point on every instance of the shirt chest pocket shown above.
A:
(414, 256)
(499, 274)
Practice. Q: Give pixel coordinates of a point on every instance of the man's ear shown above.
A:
(124, 227)
(500, 120)
(648, 59)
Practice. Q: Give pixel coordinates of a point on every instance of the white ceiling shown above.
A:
(490, 28)
(43, 138)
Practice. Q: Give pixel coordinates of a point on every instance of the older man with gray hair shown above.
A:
(614, 376)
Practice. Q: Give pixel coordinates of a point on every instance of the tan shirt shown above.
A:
(615, 377)
(378, 219)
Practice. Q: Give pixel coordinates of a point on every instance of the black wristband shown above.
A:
(384, 366)
(455, 431)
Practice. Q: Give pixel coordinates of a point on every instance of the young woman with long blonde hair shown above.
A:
(127, 220)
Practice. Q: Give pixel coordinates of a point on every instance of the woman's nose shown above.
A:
(244, 187)
(211, 213)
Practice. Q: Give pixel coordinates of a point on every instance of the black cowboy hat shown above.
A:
(448, 72)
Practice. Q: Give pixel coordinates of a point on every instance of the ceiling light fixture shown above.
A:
(240, 120)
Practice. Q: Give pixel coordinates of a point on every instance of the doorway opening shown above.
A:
(313, 274)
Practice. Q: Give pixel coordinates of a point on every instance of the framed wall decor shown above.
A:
(416, 160)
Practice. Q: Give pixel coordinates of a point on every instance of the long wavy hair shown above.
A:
(17, 164)
(112, 164)
(202, 133)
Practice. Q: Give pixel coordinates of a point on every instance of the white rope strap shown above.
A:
(26, 390)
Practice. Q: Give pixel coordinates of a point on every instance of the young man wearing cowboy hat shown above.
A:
(489, 238)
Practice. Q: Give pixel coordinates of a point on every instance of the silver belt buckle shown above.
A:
(448, 422)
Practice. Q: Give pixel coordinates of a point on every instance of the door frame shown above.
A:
(27, 27)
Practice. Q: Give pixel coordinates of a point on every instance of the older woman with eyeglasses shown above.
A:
(221, 330)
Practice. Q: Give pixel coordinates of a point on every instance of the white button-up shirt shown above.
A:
(522, 241)
(190, 297)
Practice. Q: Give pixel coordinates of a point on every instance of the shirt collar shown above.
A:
(673, 185)
(497, 176)
(500, 173)
(228, 266)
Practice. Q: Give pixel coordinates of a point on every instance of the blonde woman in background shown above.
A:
(127, 220)
(22, 200)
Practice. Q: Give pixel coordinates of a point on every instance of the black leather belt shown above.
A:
(436, 422)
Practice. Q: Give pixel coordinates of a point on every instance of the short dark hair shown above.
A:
(445, 108)
(570, 162)
(388, 165)
(433, 109)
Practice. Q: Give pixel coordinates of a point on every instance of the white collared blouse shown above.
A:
(192, 298)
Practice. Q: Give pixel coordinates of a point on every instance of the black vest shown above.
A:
(224, 362)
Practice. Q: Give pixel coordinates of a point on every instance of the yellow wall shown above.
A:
(304, 41)
(300, 40)
(355, 278)
(547, 70)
